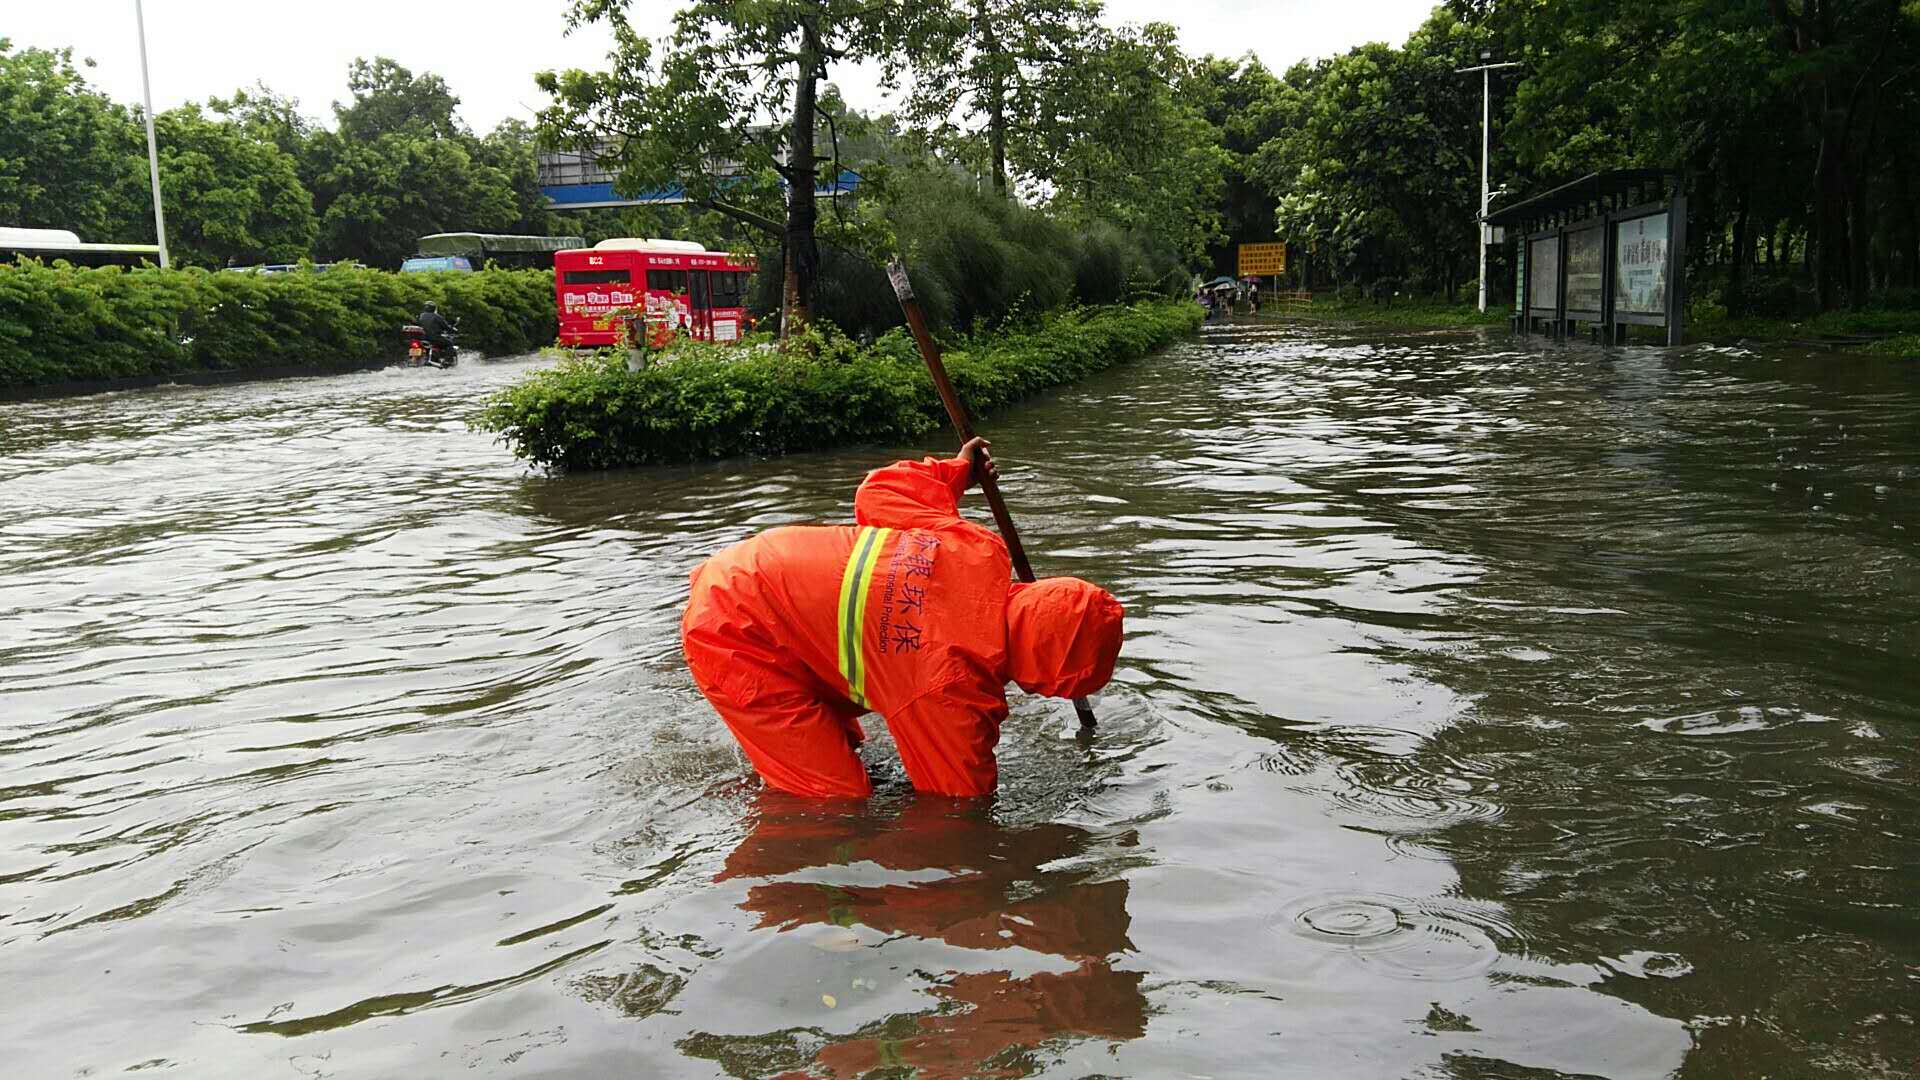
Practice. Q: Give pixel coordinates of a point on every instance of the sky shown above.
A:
(488, 50)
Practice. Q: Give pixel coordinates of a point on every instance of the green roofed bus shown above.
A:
(463, 251)
(51, 244)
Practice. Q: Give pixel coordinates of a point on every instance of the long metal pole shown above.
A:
(1486, 115)
(153, 146)
(957, 412)
(1486, 127)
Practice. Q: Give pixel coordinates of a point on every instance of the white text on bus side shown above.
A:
(598, 299)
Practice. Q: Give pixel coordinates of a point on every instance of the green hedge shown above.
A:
(716, 401)
(62, 323)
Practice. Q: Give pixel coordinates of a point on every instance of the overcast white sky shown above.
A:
(488, 49)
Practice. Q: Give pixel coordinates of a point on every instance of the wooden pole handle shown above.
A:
(957, 412)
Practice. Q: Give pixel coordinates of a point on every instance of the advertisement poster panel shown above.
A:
(1519, 278)
(1543, 273)
(1585, 265)
(1640, 266)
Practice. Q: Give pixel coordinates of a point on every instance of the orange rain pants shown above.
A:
(795, 633)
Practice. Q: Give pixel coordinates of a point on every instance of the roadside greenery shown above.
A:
(1788, 122)
(62, 324)
(1790, 125)
(816, 390)
(978, 260)
(1038, 98)
(250, 179)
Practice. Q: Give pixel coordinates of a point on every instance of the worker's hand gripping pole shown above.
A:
(897, 273)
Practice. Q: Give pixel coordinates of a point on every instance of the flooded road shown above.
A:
(1487, 710)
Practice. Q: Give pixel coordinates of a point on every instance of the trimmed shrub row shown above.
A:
(709, 401)
(62, 323)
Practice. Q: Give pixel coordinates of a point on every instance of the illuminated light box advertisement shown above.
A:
(1640, 266)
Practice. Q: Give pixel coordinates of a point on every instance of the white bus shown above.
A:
(51, 244)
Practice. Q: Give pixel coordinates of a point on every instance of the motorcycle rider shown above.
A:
(439, 332)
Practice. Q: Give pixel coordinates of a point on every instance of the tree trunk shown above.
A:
(1903, 197)
(1829, 246)
(803, 251)
(996, 90)
(1861, 233)
(1913, 244)
(1742, 247)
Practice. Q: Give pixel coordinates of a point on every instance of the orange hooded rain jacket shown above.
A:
(911, 613)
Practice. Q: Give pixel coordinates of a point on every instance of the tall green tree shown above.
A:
(388, 99)
(696, 116)
(381, 196)
(1114, 137)
(230, 197)
(267, 116)
(1378, 164)
(70, 158)
(400, 165)
(1795, 113)
(1249, 106)
(978, 82)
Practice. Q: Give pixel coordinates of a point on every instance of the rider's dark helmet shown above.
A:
(431, 306)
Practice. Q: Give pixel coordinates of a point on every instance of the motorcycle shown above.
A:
(439, 354)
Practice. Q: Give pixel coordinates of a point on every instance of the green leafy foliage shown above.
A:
(1117, 136)
(820, 390)
(987, 65)
(231, 198)
(708, 96)
(249, 179)
(1376, 165)
(70, 158)
(979, 260)
(72, 324)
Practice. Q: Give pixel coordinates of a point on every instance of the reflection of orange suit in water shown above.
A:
(795, 633)
(1001, 896)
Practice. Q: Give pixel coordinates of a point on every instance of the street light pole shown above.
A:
(1486, 118)
(153, 147)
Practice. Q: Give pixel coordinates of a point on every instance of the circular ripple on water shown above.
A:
(1415, 795)
(1408, 939)
(1285, 760)
(1348, 920)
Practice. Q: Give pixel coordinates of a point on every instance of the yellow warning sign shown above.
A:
(1258, 260)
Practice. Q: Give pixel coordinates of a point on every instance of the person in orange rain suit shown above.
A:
(911, 613)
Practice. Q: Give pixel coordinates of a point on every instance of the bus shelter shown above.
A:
(1607, 251)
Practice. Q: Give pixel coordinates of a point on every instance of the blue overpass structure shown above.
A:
(578, 181)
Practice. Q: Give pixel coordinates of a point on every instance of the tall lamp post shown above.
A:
(1486, 115)
(153, 147)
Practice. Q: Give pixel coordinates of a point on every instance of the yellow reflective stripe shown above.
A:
(854, 585)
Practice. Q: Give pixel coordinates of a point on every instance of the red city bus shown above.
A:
(678, 285)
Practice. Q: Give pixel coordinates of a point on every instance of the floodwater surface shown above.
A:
(1488, 709)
